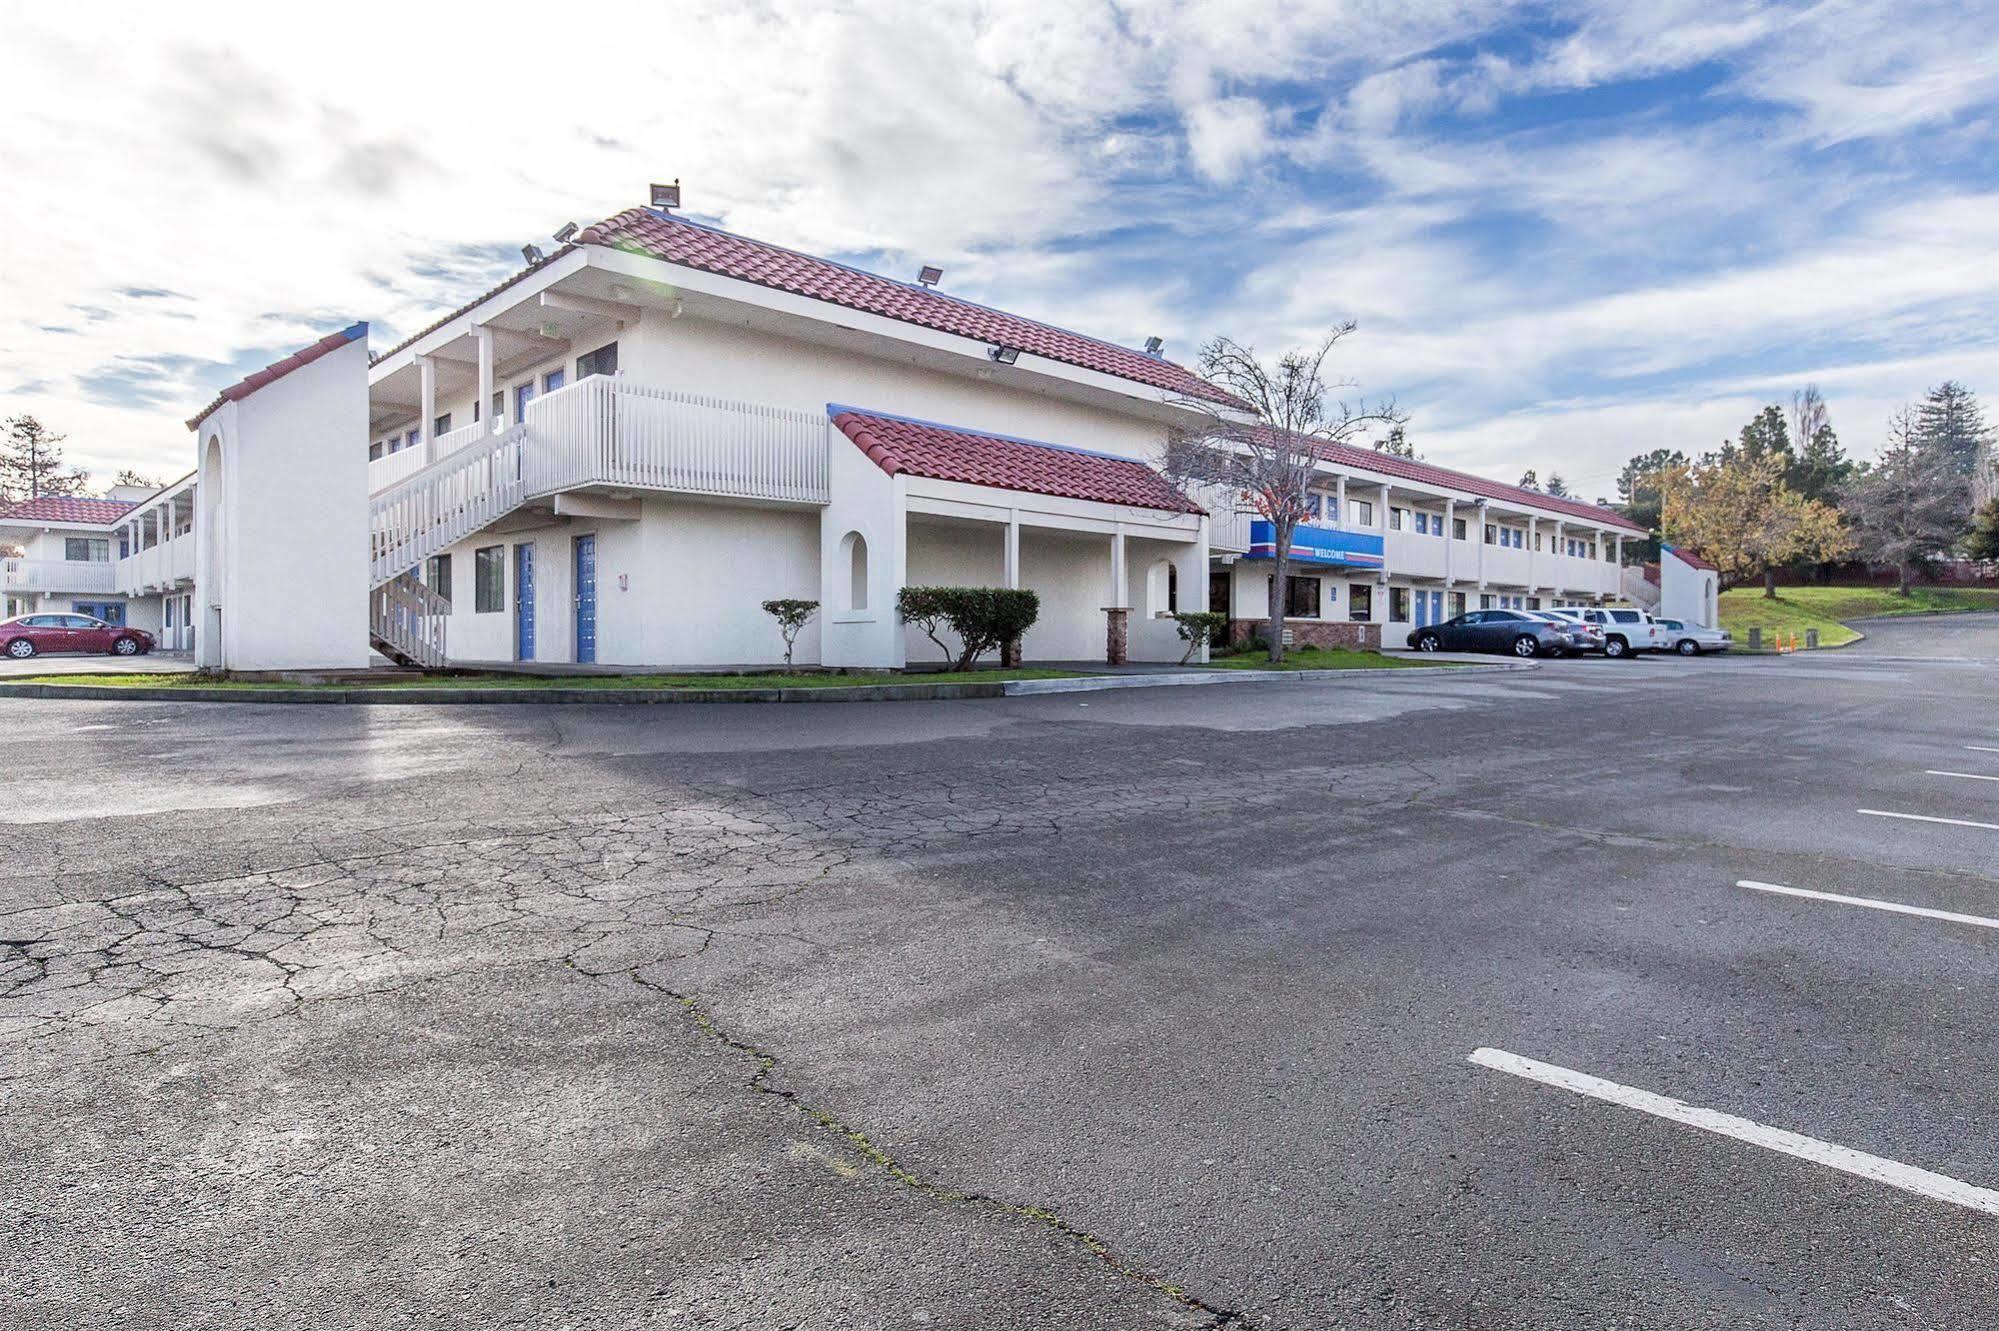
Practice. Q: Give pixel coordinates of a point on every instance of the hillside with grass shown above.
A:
(1828, 609)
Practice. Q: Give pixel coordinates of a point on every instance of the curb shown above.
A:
(430, 697)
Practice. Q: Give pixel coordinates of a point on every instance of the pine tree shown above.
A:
(1983, 543)
(1951, 421)
(1557, 486)
(31, 463)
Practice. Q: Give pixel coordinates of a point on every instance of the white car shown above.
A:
(1691, 639)
(1625, 631)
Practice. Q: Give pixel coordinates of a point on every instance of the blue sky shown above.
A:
(1569, 233)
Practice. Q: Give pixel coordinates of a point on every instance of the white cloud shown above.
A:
(282, 176)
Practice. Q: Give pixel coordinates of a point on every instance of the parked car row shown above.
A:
(25, 636)
(1616, 632)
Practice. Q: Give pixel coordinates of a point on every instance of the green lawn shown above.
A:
(1317, 658)
(1825, 608)
(608, 682)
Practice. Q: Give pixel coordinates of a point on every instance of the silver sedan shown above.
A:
(1691, 639)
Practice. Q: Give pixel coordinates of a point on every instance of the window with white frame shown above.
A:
(489, 579)
(1363, 513)
(604, 360)
(87, 549)
(437, 575)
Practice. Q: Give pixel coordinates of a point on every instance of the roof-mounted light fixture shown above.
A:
(1003, 355)
(532, 253)
(667, 196)
(567, 230)
(929, 275)
(1154, 345)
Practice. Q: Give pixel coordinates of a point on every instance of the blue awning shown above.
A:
(1312, 544)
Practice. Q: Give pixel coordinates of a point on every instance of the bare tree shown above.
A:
(1265, 453)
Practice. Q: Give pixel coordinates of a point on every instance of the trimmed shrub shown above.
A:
(983, 617)
(791, 616)
(1199, 628)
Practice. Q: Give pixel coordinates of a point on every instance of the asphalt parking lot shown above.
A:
(1654, 994)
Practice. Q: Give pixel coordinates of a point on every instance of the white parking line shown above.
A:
(1982, 748)
(1870, 903)
(1966, 776)
(1925, 818)
(1909, 1178)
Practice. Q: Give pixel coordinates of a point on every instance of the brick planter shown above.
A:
(1313, 633)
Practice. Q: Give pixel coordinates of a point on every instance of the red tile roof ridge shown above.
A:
(933, 449)
(278, 369)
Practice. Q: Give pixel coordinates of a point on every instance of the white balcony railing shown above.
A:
(57, 575)
(167, 564)
(601, 431)
(387, 470)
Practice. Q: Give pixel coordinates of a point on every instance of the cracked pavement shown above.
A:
(1146, 1008)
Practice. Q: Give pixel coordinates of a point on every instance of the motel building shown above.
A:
(616, 455)
(127, 558)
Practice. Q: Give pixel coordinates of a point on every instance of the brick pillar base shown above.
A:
(1010, 654)
(1117, 635)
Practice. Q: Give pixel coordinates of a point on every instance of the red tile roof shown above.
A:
(675, 240)
(58, 510)
(946, 453)
(1410, 470)
(276, 370)
(1689, 558)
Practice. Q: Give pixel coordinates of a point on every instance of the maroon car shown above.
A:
(32, 635)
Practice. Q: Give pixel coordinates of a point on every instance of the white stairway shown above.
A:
(602, 431)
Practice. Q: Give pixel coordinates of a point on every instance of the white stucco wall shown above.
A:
(1687, 593)
(681, 586)
(282, 533)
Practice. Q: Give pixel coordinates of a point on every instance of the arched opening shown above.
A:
(1162, 588)
(854, 552)
(209, 603)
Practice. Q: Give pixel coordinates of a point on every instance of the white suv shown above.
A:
(1625, 631)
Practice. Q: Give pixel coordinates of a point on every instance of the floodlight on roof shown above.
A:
(532, 253)
(929, 275)
(1003, 355)
(667, 196)
(1154, 345)
(563, 234)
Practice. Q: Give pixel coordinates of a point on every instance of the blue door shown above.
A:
(586, 599)
(1436, 607)
(1422, 610)
(524, 602)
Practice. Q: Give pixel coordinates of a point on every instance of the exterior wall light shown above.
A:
(1003, 355)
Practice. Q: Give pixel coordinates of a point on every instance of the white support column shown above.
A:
(1012, 559)
(1340, 500)
(1450, 543)
(484, 335)
(1381, 578)
(1533, 542)
(1479, 517)
(426, 370)
(1556, 580)
(1118, 581)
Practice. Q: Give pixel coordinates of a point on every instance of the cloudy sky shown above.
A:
(1569, 234)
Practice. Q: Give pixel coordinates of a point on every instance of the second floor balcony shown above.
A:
(157, 567)
(58, 575)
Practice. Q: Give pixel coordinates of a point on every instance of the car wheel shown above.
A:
(1428, 643)
(1524, 645)
(1688, 647)
(1615, 648)
(125, 647)
(20, 649)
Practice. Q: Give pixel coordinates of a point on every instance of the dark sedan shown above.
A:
(1514, 632)
(37, 635)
